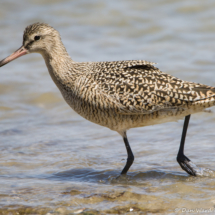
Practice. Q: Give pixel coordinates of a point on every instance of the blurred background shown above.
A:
(54, 161)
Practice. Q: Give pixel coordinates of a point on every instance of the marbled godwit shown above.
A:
(119, 95)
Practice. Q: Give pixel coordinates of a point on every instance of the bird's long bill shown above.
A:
(18, 53)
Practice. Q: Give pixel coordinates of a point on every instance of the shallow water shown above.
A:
(52, 161)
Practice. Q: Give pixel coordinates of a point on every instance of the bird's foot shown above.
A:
(191, 168)
(122, 179)
(187, 165)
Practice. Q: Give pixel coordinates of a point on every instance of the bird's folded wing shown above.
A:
(137, 87)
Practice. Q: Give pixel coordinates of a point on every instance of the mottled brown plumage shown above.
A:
(142, 88)
(120, 94)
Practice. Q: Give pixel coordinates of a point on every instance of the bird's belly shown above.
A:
(110, 118)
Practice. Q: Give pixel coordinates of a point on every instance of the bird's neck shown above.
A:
(58, 63)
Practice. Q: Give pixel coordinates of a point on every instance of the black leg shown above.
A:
(130, 158)
(184, 161)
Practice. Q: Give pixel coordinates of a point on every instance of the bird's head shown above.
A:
(37, 38)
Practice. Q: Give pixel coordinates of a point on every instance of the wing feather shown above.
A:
(139, 87)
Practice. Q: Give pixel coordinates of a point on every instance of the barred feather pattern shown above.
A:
(140, 87)
(119, 94)
(126, 94)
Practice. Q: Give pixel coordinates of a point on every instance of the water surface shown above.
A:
(52, 161)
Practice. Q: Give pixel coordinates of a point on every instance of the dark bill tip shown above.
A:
(18, 53)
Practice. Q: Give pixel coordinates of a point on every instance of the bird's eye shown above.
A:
(36, 37)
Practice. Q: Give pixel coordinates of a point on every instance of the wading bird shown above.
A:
(119, 95)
